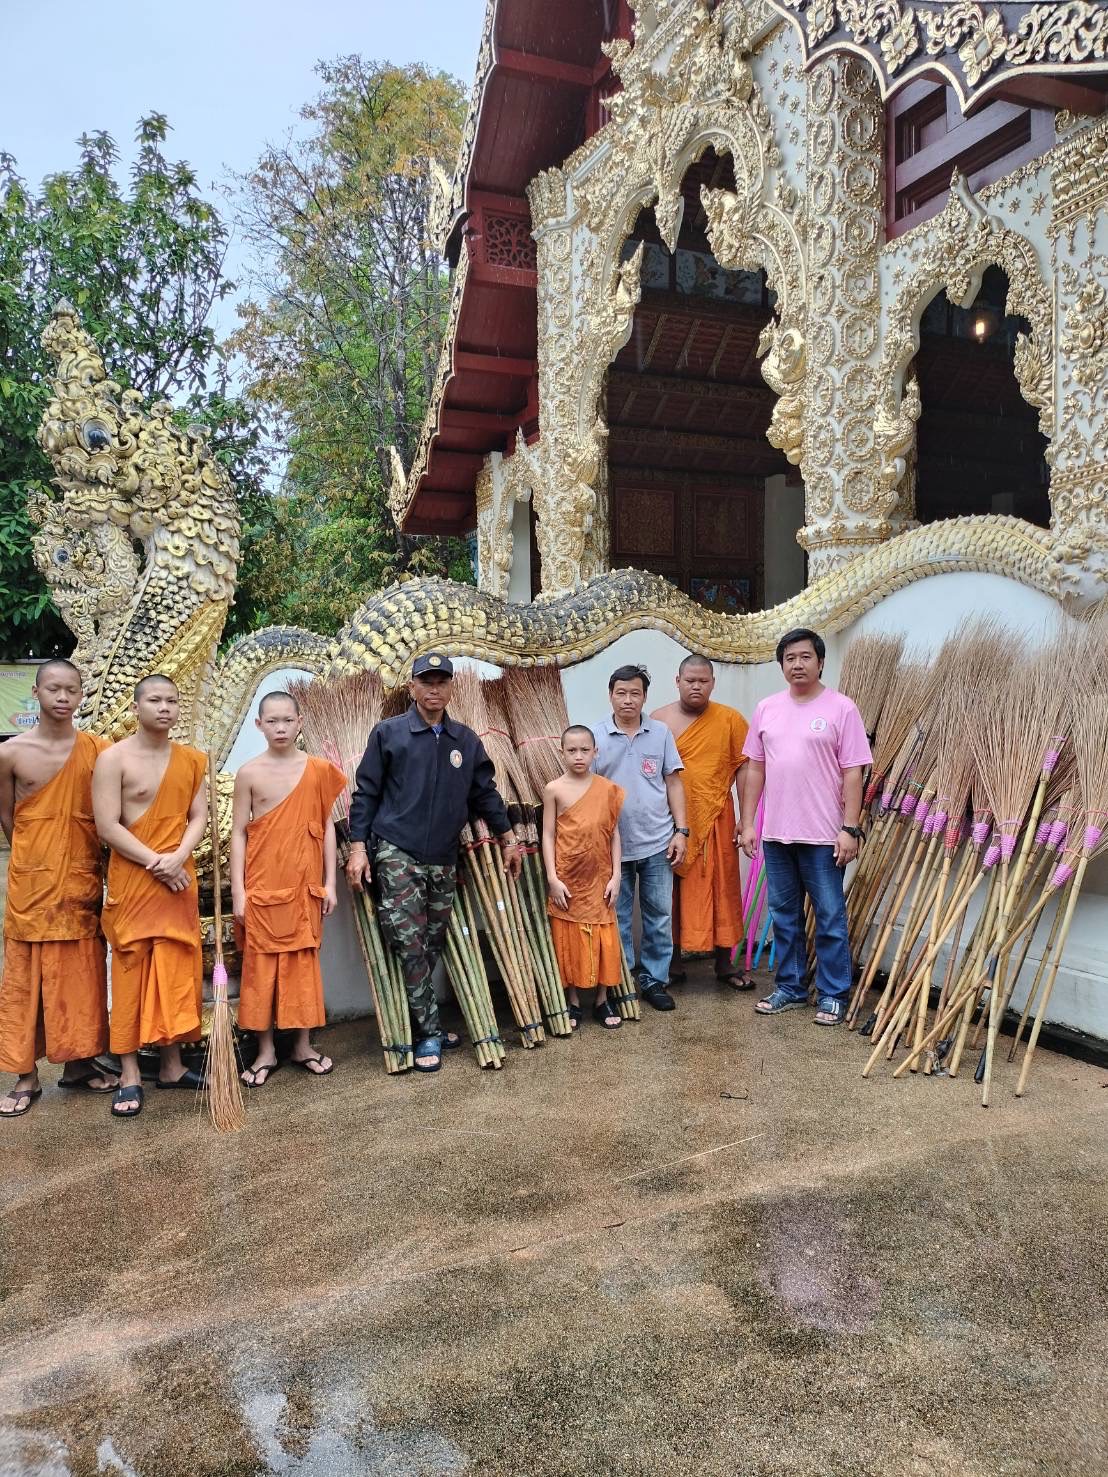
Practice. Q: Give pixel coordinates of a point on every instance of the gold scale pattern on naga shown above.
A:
(140, 542)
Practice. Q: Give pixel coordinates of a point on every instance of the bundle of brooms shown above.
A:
(986, 766)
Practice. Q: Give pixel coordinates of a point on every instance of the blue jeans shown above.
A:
(655, 879)
(793, 869)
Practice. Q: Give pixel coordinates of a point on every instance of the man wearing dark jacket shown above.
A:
(422, 777)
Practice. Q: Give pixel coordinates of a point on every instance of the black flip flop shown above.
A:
(25, 1095)
(450, 1040)
(576, 1016)
(127, 1095)
(189, 1081)
(267, 1067)
(303, 1063)
(736, 980)
(82, 1084)
(600, 1013)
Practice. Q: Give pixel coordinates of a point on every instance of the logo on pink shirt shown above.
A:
(817, 725)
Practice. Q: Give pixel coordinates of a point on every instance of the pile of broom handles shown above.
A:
(518, 937)
(466, 968)
(915, 864)
(386, 982)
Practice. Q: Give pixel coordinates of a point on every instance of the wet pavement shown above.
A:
(700, 1244)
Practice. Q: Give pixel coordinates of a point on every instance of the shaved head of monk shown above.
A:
(696, 680)
(157, 703)
(279, 720)
(58, 690)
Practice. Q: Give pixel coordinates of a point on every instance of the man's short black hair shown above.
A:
(56, 661)
(578, 728)
(694, 659)
(272, 696)
(153, 677)
(630, 673)
(802, 633)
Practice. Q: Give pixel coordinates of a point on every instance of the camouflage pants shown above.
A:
(414, 903)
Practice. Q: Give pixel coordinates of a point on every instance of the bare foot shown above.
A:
(260, 1073)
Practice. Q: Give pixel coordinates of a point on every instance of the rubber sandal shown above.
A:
(304, 1063)
(831, 1011)
(83, 1084)
(450, 1041)
(736, 980)
(189, 1081)
(576, 1016)
(600, 1013)
(431, 1047)
(26, 1096)
(251, 1072)
(777, 1002)
(127, 1095)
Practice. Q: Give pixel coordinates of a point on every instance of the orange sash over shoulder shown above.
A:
(55, 877)
(138, 906)
(284, 864)
(711, 750)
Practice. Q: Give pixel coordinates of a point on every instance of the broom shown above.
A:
(225, 1102)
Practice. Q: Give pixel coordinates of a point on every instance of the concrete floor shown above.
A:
(592, 1262)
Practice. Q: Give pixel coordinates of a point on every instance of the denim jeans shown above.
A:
(655, 878)
(793, 869)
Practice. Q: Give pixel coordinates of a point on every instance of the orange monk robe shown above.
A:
(711, 749)
(586, 939)
(157, 967)
(281, 983)
(54, 993)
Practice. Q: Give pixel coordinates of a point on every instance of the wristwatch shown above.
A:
(681, 831)
(855, 831)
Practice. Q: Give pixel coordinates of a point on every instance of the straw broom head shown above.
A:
(537, 712)
(868, 669)
(469, 705)
(337, 719)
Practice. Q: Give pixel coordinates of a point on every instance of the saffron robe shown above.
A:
(281, 981)
(710, 898)
(54, 992)
(586, 938)
(157, 966)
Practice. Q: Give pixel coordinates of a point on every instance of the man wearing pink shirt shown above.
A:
(807, 748)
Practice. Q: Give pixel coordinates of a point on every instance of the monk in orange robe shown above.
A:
(54, 991)
(283, 863)
(150, 802)
(581, 854)
(709, 737)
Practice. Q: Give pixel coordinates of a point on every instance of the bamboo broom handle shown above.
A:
(1040, 1014)
(1055, 925)
(959, 1000)
(947, 926)
(516, 996)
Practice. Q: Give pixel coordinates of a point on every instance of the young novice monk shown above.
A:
(581, 851)
(54, 994)
(150, 802)
(283, 886)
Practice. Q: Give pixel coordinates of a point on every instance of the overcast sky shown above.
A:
(229, 74)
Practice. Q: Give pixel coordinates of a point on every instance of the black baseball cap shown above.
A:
(432, 661)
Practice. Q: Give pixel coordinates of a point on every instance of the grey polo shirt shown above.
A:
(640, 764)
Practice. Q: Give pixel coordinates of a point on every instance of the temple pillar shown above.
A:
(845, 197)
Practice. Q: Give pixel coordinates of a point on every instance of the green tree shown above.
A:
(143, 262)
(342, 337)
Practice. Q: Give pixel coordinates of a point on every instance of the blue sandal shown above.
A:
(830, 1012)
(432, 1047)
(777, 1002)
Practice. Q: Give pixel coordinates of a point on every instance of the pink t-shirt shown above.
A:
(805, 748)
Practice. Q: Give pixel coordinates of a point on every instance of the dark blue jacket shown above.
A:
(418, 789)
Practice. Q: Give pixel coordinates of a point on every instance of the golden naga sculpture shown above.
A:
(129, 478)
(140, 550)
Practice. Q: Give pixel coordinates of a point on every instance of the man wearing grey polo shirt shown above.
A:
(640, 755)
